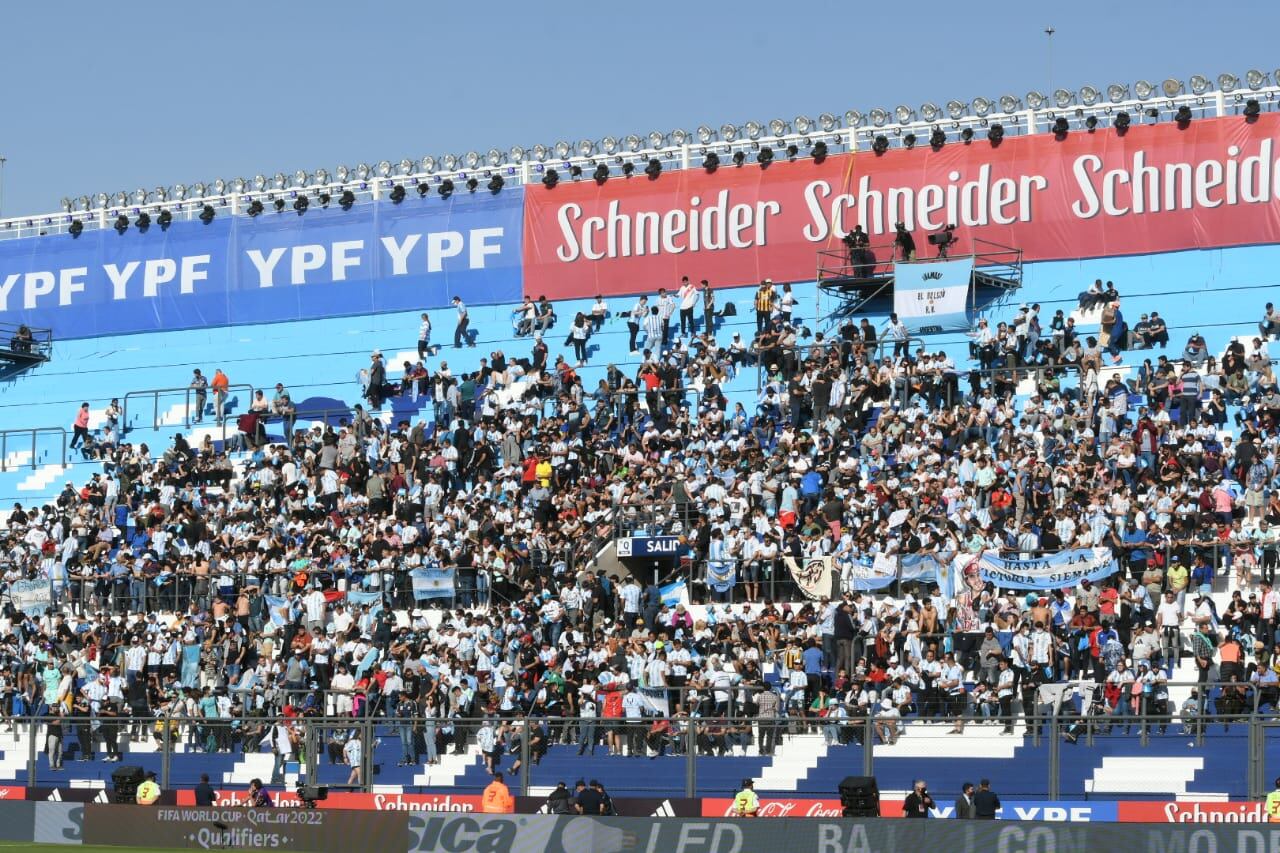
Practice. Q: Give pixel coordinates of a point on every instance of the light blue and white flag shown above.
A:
(432, 583)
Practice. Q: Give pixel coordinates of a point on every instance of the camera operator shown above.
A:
(903, 243)
(858, 244)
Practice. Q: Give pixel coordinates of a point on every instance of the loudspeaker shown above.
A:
(860, 796)
(125, 781)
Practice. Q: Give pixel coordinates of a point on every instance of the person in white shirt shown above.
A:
(688, 298)
(353, 754)
(1004, 694)
(424, 336)
(633, 706)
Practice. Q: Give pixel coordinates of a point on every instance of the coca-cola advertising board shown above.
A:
(1155, 188)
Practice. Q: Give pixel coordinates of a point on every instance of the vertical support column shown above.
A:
(366, 755)
(868, 748)
(691, 760)
(525, 759)
(31, 750)
(1055, 756)
(166, 756)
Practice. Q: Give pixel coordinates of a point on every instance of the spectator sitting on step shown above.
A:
(1141, 330)
(1157, 331)
(523, 317)
(1195, 352)
(1270, 324)
(545, 314)
(1091, 298)
(1257, 358)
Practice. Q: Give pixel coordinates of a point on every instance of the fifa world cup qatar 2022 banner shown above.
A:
(1157, 188)
(270, 268)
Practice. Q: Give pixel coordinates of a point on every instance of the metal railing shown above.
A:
(856, 740)
(7, 441)
(188, 401)
(38, 346)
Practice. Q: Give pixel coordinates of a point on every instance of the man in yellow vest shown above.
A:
(745, 802)
(1273, 804)
(148, 792)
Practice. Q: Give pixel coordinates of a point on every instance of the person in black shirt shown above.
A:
(904, 243)
(918, 802)
(985, 801)
(560, 802)
(205, 795)
(587, 800)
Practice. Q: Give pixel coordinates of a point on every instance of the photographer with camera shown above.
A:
(918, 802)
(903, 243)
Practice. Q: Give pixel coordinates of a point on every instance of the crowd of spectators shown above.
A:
(163, 564)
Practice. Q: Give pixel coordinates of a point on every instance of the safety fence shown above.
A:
(1042, 756)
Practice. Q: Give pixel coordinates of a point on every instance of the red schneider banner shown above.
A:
(1157, 188)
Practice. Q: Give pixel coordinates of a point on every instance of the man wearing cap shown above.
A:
(497, 798)
(148, 792)
(745, 802)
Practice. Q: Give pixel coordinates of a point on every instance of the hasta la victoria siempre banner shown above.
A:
(269, 268)
(1052, 571)
(1157, 188)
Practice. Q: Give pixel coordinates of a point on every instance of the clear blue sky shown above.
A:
(112, 96)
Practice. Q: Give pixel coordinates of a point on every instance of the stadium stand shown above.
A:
(401, 581)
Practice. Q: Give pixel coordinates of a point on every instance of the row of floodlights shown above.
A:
(705, 134)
